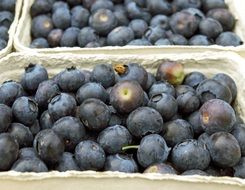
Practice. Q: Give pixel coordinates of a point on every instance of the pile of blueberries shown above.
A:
(99, 23)
(7, 10)
(121, 118)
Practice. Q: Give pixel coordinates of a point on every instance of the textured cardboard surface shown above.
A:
(23, 38)
(12, 30)
(12, 66)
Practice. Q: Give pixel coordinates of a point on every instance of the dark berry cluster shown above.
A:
(7, 8)
(98, 23)
(121, 118)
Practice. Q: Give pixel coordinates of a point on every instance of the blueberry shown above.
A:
(182, 89)
(131, 71)
(161, 168)
(160, 20)
(183, 4)
(183, 23)
(177, 39)
(41, 26)
(103, 21)
(226, 80)
(79, 16)
(3, 44)
(4, 33)
(116, 119)
(6, 18)
(27, 152)
(213, 4)
(89, 155)
(48, 146)
(160, 87)
(211, 89)
(91, 90)
(39, 43)
(136, 12)
(87, 75)
(159, 7)
(59, 4)
(193, 79)
(165, 104)
(195, 12)
(102, 4)
(93, 45)
(228, 39)
(121, 15)
(177, 131)
(155, 33)
(46, 121)
(40, 7)
(171, 71)
(5, 117)
(239, 133)
(29, 165)
(150, 80)
(71, 79)
(194, 120)
(25, 110)
(61, 18)
(62, 105)
(143, 121)
(103, 74)
(152, 149)
(162, 42)
(210, 28)
(188, 103)
(70, 130)
(121, 163)
(126, 96)
(139, 42)
(35, 128)
(88, 3)
(69, 37)
(225, 18)
(200, 40)
(240, 169)
(9, 150)
(120, 36)
(8, 5)
(86, 35)
(195, 172)
(190, 155)
(217, 115)
(22, 134)
(139, 27)
(45, 91)
(114, 138)
(67, 162)
(224, 149)
(54, 37)
(33, 76)
(95, 114)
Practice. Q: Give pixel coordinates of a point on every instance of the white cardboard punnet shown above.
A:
(12, 30)
(22, 38)
(12, 66)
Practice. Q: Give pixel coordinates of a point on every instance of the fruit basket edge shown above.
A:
(12, 29)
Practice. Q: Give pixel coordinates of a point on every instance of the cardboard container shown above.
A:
(12, 66)
(23, 38)
(12, 30)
